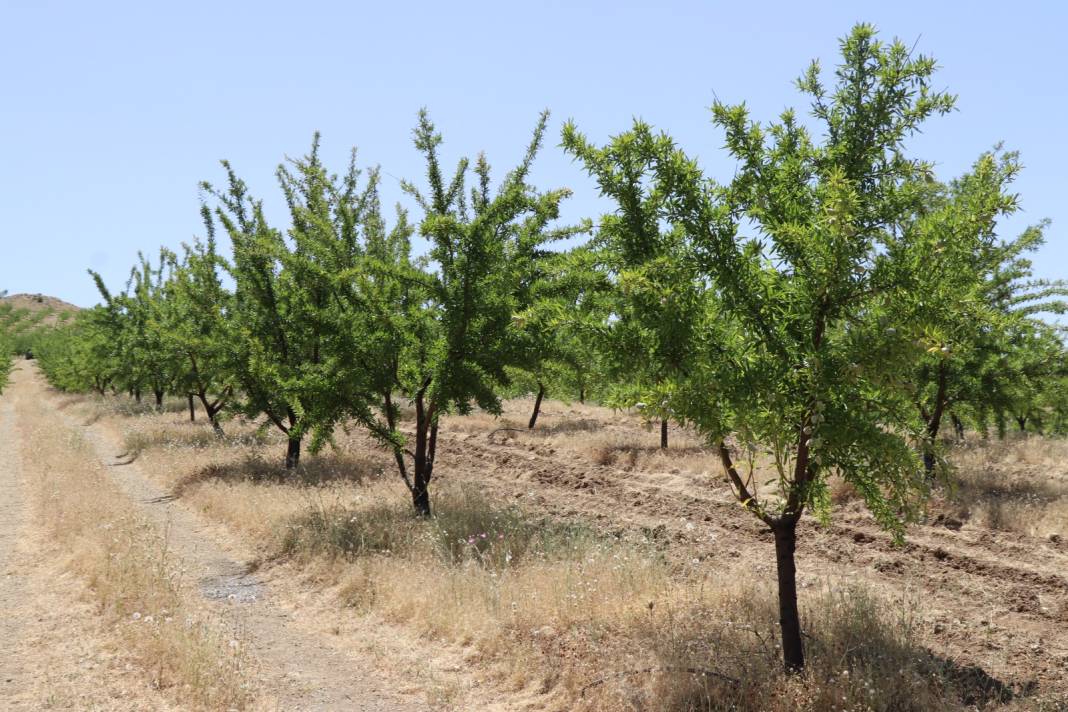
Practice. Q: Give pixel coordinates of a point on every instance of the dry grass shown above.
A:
(147, 435)
(554, 606)
(1016, 485)
(137, 584)
(121, 405)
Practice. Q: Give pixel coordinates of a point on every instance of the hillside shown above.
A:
(31, 306)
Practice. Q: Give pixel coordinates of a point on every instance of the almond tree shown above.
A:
(449, 320)
(141, 334)
(80, 354)
(195, 311)
(974, 298)
(657, 295)
(804, 355)
(558, 299)
(283, 335)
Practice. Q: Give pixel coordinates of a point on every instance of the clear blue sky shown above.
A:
(110, 113)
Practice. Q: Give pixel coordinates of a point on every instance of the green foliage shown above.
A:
(450, 320)
(973, 303)
(657, 300)
(803, 351)
(286, 335)
(6, 350)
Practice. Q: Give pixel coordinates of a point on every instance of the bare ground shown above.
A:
(297, 669)
(57, 653)
(993, 599)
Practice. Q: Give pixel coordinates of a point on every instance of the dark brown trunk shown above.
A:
(793, 652)
(537, 406)
(934, 422)
(192, 410)
(421, 492)
(1021, 420)
(958, 426)
(292, 453)
(159, 399)
(663, 434)
(137, 395)
(582, 394)
(213, 409)
(423, 466)
(423, 457)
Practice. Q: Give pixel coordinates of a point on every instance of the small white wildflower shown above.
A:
(136, 616)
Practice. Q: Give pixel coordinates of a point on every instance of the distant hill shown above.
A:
(36, 309)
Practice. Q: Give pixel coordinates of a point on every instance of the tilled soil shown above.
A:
(992, 599)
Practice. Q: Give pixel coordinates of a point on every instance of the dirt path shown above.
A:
(56, 652)
(298, 670)
(14, 519)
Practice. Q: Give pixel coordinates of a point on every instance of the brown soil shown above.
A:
(993, 599)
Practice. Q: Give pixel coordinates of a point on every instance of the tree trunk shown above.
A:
(958, 426)
(425, 442)
(663, 434)
(213, 409)
(192, 410)
(582, 394)
(159, 399)
(934, 422)
(1021, 420)
(292, 453)
(137, 395)
(421, 492)
(793, 652)
(537, 406)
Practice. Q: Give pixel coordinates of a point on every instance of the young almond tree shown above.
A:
(658, 294)
(195, 317)
(79, 355)
(567, 314)
(804, 354)
(134, 327)
(556, 297)
(283, 321)
(972, 294)
(450, 321)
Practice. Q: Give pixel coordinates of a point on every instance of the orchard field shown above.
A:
(793, 441)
